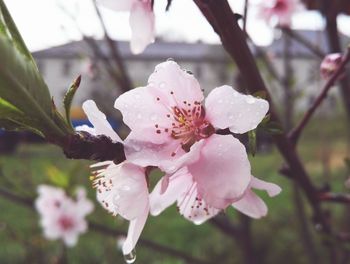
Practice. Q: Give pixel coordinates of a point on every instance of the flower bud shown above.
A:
(330, 65)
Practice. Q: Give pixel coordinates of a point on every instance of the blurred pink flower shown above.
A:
(141, 21)
(172, 128)
(330, 64)
(280, 10)
(62, 217)
(121, 188)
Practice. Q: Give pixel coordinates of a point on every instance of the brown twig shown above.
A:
(295, 133)
(334, 197)
(125, 82)
(83, 145)
(105, 230)
(305, 42)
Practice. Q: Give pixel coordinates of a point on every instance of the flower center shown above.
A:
(280, 5)
(188, 123)
(66, 223)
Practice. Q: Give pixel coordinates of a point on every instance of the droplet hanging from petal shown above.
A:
(131, 257)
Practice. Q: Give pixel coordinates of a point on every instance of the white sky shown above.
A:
(43, 23)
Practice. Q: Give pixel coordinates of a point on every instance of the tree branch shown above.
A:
(334, 197)
(295, 133)
(125, 81)
(305, 42)
(83, 145)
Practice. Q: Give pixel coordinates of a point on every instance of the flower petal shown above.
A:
(226, 108)
(135, 228)
(99, 121)
(117, 5)
(175, 85)
(122, 189)
(145, 154)
(178, 184)
(142, 25)
(271, 188)
(222, 172)
(144, 115)
(251, 205)
(193, 208)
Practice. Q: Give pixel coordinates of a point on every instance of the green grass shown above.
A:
(276, 238)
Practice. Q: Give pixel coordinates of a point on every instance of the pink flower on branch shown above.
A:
(121, 188)
(279, 10)
(141, 21)
(173, 129)
(62, 217)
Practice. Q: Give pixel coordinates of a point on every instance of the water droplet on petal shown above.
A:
(197, 222)
(116, 199)
(230, 117)
(250, 100)
(220, 101)
(151, 84)
(131, 257)
(125, 188)
(139, 116)
(162, 85)
(170, 59)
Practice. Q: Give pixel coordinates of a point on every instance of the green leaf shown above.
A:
(57, 177)
(22, 86)
(68, 98)
(252, 142)
(13, 32)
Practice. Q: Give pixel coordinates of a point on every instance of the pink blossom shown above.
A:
(173, 129)
(121, 188)
(280, 10)
(62, 217)
(330, 64)
(141, 21)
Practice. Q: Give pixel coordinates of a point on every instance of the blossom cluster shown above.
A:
(174, 129)
(61, 217)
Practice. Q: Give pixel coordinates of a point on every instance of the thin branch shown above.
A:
(83, 145)
(295, 133)
(124, 76)
(105, 230)
(334, 197)
(305, 42)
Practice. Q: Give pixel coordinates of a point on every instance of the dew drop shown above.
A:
(131, 257)
(162, 85)
(116, 199)
(151, 84)
(250, 100)
(170, 59)
(230, 117)
(137, 96)
(125, 188)
(220, 101)
(139, 116)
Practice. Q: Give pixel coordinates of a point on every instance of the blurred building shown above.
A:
(210, 64)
